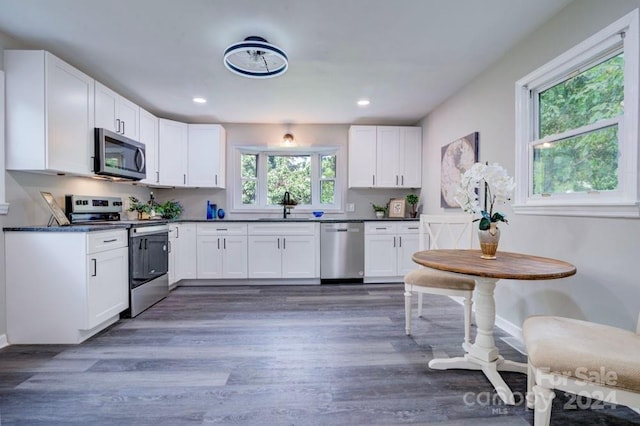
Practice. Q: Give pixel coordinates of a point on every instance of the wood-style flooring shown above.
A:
(270, 355)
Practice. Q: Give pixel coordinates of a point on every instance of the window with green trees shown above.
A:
(309, 177)
(578, 131)
(577, 128)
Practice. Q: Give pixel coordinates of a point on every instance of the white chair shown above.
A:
(583, 358)
(444, 232)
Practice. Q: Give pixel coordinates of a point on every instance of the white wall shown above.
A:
(606, 252)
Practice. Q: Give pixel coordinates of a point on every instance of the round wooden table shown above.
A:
(483, 354)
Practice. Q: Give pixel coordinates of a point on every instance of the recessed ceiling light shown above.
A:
(363, 102)
(199, 100)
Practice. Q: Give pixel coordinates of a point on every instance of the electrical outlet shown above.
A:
(351, 207)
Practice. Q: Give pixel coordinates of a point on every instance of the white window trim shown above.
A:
(4, 206)
(625, 201)
(260, 207)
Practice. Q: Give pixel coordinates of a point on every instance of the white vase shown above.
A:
(489, 239)
(379, 214)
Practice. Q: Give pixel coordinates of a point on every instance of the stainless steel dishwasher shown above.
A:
(341, 252)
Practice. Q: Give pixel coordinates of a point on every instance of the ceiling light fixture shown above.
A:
(199, 100)
(255, 57)
(287, 139)
(363, 102)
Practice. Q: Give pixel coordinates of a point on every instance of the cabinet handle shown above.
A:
(157, 177)
(400, 243)
(145, 243)
(284, 244)
(218, 243)
(95, 267)
(396, 180)
(224, 243)
(169, 246)
(110, 241)
(394, 241)
(117, 125)
(381, 229)
(221, 229)
(373, 180)
(216, 180)
(123, 131)
(278, 243)
(413, 228)
(184, 179)
(177, 232)
(402, 180)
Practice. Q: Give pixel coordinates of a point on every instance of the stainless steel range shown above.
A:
(148, 247)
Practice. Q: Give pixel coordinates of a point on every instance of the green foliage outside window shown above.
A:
(587, 161)
(289, 173)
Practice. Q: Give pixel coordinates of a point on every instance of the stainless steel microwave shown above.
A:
(118, 156)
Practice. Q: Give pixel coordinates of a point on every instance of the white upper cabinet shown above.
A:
(172, 152)
(206, 156)
(49, 114)
(149, 137)
(115, 113)
(385, 157)
(362, 156)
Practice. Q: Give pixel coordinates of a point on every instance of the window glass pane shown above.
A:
(328, 164)
(327, 191)
(249, 166)
(248, 192)
(586, 98)
(587, 162)
(289, 173)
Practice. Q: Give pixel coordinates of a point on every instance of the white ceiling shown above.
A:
(406, 56)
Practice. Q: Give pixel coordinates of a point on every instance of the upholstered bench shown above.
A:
(580, 357)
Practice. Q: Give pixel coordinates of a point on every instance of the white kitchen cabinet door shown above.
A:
(299, 256)
(362, 156)
(172, 152)
(234, 264)
(49, 114)
(173, 276)
(407, 245)
(185, 252)
(265, 258)
(388, 157)
(107, 293)
(380, 256)
(411, 157)
(210, 257)
(206, 156)
(149, 137)
(116, 113)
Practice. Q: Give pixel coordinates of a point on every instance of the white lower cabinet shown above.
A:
(388, 248)
(182, 252)
(79, 287)
(284, 250)
(221, 250)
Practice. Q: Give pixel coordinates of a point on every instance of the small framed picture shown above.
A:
(55, 209)
(397, 207)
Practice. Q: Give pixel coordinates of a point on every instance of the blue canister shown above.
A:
(211, 211)
(220, 213)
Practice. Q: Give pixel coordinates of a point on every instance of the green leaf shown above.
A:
(484, 224)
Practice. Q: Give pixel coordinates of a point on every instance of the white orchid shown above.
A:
(498, 189)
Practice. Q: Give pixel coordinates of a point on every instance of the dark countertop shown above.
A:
(128, 224)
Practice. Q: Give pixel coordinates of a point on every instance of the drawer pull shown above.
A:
(110, 241)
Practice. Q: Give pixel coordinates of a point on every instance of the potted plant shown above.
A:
(412, 200)
(143, 208)
(169, 210)
(380, 210)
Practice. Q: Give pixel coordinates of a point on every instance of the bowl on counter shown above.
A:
(318, 213)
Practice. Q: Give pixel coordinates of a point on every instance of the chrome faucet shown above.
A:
(286, 202)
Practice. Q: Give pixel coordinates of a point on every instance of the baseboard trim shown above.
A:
(3, 341)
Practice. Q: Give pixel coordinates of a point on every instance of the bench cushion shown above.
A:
(588, 351)
(427, 277)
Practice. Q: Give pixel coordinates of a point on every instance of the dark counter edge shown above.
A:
(107, 227)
